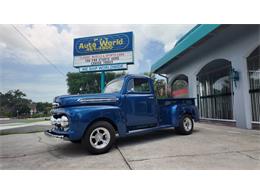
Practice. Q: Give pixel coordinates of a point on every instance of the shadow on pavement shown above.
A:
(148, 137)
(69, 149)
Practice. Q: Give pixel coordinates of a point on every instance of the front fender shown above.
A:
(82, 116)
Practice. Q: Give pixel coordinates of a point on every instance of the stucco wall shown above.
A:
(235, 43)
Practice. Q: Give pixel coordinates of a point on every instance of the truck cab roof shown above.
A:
(134, 76)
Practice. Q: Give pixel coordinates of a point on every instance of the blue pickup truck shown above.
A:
(127, 107)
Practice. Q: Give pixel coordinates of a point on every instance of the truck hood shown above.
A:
(88, 99)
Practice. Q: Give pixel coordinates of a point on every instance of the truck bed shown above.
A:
(174, 101)
(171, 108)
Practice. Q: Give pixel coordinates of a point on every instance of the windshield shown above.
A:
(114, 86)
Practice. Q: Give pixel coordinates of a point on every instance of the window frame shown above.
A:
(135, 92)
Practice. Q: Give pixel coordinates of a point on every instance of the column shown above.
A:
(242, 102)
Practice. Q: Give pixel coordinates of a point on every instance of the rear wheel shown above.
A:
(186, 125)
(99, 137)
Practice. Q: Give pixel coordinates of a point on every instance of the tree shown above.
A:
(14, 104)
(43, 108)
(160, 88)
(81, 83)
(150, 74)
(159, 85)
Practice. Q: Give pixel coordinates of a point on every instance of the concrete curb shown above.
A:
(23, 130)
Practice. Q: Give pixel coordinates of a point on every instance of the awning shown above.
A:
(189, 39)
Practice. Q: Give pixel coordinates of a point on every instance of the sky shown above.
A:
(22, 67)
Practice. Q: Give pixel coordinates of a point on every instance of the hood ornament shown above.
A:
(55, 105)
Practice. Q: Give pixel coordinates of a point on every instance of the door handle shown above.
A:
(151, 97)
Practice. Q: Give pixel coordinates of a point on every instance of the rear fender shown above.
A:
(178, 111)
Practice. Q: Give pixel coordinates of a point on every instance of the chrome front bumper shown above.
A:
(55, 135)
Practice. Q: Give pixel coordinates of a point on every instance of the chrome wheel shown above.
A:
(187, 124)
(99, 138)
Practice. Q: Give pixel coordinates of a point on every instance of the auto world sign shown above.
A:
(104, 50)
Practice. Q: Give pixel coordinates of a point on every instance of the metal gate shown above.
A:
(255, 94)
(253, 65)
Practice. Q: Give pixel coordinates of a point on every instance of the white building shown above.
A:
(219, 65)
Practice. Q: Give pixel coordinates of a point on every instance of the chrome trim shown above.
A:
(99, 138)
(187, 124)
(147, 129)
(47, 133)
(55, 104)
(94, 100)
(215, 119)
(58, 121)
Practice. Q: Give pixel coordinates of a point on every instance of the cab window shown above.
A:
(138, 85)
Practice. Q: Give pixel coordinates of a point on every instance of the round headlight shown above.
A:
(64, 121)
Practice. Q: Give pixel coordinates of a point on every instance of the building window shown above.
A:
(215, 91)
(180, 87)
(253, 64)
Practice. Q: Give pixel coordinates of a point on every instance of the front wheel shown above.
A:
(186, 125)
(99, 137)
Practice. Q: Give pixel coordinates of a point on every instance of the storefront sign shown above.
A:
(100, 59)
(104, 49)
(100, 68)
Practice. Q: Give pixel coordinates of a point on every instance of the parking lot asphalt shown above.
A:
(209, 147)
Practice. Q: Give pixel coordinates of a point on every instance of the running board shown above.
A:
(149, 129)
